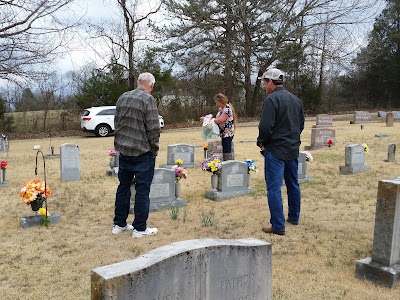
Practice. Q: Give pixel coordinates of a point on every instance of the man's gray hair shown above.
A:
(147, 78)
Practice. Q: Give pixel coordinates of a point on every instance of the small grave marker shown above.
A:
(70, 165)
(389, 119)
(354, 160)
(391, 153)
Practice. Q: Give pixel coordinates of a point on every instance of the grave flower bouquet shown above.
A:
(3, 165)
(366, 148)
(112, 153)
(35, 192)
(251, 167)
(180, 172)
(212, 165)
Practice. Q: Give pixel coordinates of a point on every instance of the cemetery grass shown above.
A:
(314, 260)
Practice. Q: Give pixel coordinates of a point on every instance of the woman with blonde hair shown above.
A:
(226, 120)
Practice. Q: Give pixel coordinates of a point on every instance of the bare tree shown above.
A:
(31, 33)
(127, 34)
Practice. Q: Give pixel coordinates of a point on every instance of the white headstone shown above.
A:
(70, 164)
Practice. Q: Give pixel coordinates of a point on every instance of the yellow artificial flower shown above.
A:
(42, 211)
(179, 162)
(366, 148)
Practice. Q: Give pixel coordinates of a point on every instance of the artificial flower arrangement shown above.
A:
(180, 172)
(3, 165)
(35, 191)
(366, 148)
(45, 215)
(212, 165)
(112, 153)
(251, 167)
(308, 156)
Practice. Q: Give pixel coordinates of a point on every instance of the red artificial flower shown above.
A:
(3, 164)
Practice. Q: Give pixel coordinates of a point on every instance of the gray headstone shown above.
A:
(302, 169)
(389, 119)
(354, 160)
(383, 267)
(162, 191)
(382, 114)
(323, 120)
(391, 153)
(320, 137)
(361, 117)
(214, 269)
(70, 164)
(396, 115)
(233, 181)
(31, 221)
(180, 151)
(215, 148)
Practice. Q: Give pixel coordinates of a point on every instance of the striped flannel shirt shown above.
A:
(137, 128)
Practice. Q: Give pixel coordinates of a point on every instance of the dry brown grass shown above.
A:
(315, 260)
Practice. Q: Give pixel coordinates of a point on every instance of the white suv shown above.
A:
(100, 120)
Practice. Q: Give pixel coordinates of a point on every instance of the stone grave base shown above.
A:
(163, 206)
(218, 195)
(366, 269)
(184, 165)
(301, 180)
(307, 148)
(112, 172)
(381, 135)
(346, 170)
(37, 220)
(3, 184)
(52, 156)
(360, 122)
(321, 126)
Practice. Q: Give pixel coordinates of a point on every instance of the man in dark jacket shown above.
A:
(281, 124)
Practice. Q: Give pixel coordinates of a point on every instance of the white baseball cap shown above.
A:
(273, 74)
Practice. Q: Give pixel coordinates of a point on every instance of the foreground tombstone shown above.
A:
(354, 160)
(70, 165)
(232, 182)
(302, 169)
(361, 117)
(180, 151)
(321, 137)
(383, 267)
(162, 191)
(202, 269)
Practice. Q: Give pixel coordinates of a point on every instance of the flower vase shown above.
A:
(178, 190)
(35, 205)
(214, 182)
(112, 162)
(3, 175)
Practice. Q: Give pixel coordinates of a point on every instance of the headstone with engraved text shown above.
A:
(354, 160)
(193, 269)
(323, 120)
(322, 137)
(383, 267)
(180, 151)
(70, 164)
(361, 117)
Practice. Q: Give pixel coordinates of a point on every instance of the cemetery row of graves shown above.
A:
(349, 188)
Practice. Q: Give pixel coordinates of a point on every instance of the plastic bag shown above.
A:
(209, 130)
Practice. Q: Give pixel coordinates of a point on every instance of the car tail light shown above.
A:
(86, 119)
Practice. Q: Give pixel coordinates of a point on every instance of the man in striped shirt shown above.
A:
(137, 136)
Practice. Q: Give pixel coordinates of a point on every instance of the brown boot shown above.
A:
(270, 230)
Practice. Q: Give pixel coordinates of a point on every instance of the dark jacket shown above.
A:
(281, 123)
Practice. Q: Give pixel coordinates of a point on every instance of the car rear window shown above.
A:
(107, 112)
(85, 113)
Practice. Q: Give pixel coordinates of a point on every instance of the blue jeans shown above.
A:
(275, 170)
(226, 143)
(140, 169)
